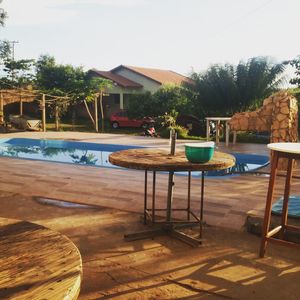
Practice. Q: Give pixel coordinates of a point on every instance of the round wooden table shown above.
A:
(289, 151)
(160, 160)
(37, 263)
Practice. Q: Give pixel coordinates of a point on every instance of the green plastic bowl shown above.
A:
(199, 152)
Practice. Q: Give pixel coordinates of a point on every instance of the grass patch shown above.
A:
(242, 137)
(89, 127)
(250, 137)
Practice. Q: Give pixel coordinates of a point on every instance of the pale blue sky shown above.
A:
(179, 35)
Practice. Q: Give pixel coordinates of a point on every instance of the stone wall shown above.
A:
(278, 115)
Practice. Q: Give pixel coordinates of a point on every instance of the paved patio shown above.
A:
(225, 267)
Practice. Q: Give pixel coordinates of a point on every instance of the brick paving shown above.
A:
(226, 266)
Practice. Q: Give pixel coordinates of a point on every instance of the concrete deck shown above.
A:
(225, 267)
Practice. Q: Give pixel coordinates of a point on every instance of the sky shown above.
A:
(179, 35)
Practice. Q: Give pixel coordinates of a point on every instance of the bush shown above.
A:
(182, 133)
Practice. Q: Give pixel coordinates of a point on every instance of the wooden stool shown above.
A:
(290, 151)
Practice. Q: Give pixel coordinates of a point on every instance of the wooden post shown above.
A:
(21, 104)
(56, 118)
(1, 109)
(227, 130)
(234, 137)
(173, 141)
(207, 130)
(44, 112)
(96, 113)
(218, 132)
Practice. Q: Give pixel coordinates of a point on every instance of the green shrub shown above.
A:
(182, 133)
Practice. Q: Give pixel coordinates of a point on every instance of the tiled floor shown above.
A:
(227, 200)
(226, 266)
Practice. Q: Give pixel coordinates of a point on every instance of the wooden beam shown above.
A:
(56, 118)
(44, 112)
(21, 104)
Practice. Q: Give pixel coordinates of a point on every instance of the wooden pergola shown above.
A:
(20, 95)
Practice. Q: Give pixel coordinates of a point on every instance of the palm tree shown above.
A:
(257, 79)
(3, 15)
(226, 89)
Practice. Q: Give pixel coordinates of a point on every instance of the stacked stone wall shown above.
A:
(278, 115)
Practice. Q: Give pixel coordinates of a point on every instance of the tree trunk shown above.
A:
(88, 111)
(73, 117)
(56, 118)
(102, 112)
(96, 113)
(44, 112)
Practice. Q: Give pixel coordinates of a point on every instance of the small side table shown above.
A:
(290, 151)
(160, 160)
(218, 121)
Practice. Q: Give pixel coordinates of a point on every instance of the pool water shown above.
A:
(97, 154)
(60, 151)
(293, 208)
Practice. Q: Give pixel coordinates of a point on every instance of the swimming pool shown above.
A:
(60, 151)
(97, 154)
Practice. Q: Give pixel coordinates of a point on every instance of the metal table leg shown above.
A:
(169, 226)
(170, 196)
(145, 197)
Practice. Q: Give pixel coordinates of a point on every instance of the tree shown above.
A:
(18, 73)
(296, 64)
(257, 79)
(5, 50)
(3, 15)
(167, 98)
(226, 89)
(214, 91)
(66, 80)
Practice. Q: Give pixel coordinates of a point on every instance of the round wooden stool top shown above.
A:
(293, 148)
(37, 263)
(160, 160)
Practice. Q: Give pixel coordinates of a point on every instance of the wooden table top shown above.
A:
(293, 148)
(160, 160)
(37, 263)
(218, 118)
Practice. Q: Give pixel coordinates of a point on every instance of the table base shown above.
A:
(166, 230)
(170, 226)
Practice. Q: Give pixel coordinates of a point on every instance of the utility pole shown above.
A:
(13, 57)
(13, 48)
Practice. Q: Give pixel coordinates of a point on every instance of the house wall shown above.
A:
(148, 85)
(111, 104)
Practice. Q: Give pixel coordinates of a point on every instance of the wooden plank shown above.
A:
(37, 263)
(161, 160)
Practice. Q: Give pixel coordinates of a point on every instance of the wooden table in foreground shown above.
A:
(160, 160)
(37, 263)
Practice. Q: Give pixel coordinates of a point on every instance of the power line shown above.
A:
(242, 18)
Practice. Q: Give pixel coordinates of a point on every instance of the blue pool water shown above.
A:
(97, 154)
(60, 151)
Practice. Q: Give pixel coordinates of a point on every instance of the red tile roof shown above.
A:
(118, 79)
(158, 75)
